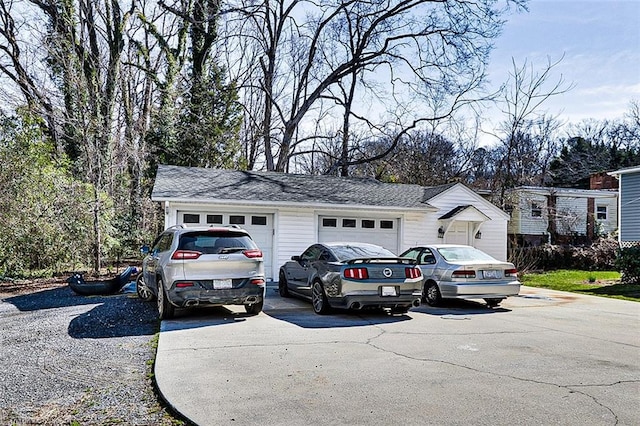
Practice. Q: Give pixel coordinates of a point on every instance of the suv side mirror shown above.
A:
(295, 258)
(144, 250)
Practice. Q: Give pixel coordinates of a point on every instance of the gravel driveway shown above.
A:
(70, 359)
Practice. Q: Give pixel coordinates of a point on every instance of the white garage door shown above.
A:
(383, 232)
(258, 225)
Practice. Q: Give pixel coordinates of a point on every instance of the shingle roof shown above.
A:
(199, 184)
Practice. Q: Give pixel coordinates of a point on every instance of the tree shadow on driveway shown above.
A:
(104, 317)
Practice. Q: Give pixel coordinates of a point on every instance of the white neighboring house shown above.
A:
(629, 205)
(285, 213)
(560, 215)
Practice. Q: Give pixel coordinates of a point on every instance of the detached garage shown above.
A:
(286, 213)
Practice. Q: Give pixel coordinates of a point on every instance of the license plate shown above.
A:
(388, 291)
(222, 284)
(492, 274)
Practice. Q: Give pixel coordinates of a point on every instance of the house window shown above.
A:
(329, 223)
(258, 220)
(368, 224)
(236, 220)
(536, 210)
(214, 218)
(348, 223)
(190, 218)
(386, 224)
(601, 213)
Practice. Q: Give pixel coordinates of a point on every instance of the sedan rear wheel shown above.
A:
(492, 303)
(165, 309)
(432, 294)
(318, 299)
(282, 285)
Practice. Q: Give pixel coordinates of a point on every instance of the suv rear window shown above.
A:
(212, 242)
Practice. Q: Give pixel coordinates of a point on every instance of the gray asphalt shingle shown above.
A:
(200, 184)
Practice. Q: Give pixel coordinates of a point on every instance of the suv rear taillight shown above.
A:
(185, 255)
(252, 253)
(461, 273)
(356, 273)
(412, 272)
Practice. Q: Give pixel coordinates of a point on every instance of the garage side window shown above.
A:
(190, 218)
(258, 220)
(214, 219)
(386, 224)
(329, 222)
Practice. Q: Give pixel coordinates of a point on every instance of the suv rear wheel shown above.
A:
(165, 309)
(254, 309)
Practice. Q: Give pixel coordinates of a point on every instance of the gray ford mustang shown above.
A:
(352, 276)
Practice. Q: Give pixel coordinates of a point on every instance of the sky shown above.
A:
(600, 42)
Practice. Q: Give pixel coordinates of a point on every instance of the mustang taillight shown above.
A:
(185, 255)
(461, 273)
(412, 272)
(356, 273)
(511, 273)
(252, 253)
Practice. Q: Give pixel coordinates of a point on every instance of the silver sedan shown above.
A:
(463, 272)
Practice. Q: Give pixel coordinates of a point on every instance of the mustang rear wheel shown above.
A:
(319, 299)
(165, 309)
(432, 294)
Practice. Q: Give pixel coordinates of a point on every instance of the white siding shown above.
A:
(609, 225)
(494, 231)
(418, 229)
(530, 224)
(295, 230)
(571, 215)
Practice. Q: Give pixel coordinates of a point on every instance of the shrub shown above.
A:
(599, 256)
(628, 263)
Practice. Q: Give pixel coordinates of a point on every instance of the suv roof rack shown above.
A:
(180, 226)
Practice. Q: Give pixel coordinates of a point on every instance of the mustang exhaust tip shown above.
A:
(355, 305)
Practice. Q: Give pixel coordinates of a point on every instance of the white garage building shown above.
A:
(286, 213)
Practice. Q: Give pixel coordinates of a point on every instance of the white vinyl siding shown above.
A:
(494, 230)
(295, 231)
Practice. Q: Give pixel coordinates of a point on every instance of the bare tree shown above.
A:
(527, 134)
(407, 51)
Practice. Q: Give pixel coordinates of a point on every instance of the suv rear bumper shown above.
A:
(189, 297)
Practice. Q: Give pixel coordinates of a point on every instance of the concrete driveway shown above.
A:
(542, 358)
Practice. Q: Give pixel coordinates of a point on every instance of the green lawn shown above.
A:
(597, 283)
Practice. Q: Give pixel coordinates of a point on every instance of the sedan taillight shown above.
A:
(513, 273)
(461, 273)
(414, 272)
(252, 253)
(185, 255)
(356, 273)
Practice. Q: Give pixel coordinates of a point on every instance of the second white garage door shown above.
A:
(383, 232)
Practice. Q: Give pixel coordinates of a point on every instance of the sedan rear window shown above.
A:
(208, 242)
(464, 253)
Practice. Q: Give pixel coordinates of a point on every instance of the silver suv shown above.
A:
(203, 266)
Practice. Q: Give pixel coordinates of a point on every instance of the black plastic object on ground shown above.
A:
(101, 287)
